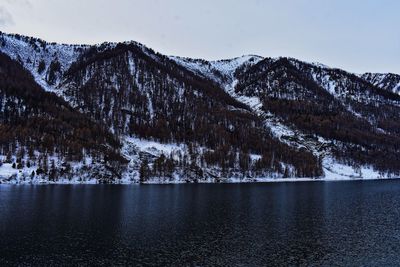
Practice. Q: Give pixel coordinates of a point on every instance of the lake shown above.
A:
(307, 223)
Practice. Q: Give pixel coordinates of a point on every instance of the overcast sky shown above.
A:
(357, 35)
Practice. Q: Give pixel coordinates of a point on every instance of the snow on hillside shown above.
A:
(152, 147)
(386, 81)
(136, 148)
(38, 56)
(293, 137)
(319, 146)
(338, 171)
(149, 148)
(284, 133)
(216, 70)
(34, 54)
(26, 171)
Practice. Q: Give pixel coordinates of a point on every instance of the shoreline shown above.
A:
(235, 181)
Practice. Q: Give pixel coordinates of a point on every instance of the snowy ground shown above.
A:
(334, 171)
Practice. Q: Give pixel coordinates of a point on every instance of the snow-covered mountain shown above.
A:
(172, 119)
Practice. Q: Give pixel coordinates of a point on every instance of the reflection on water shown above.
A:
(327, 223)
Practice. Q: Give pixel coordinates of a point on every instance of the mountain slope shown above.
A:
(38, 130)
(45, 61)
(247, 118)
(153, 97)
(387, 81)
(359, 118)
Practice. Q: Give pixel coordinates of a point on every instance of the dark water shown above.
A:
(331, 223)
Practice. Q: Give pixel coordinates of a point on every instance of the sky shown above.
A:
(356, 35)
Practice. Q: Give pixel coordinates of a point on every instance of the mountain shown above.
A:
(135, 115)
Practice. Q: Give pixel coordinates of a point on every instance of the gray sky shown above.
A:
(357, 35)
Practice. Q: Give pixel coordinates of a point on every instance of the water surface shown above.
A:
(308, 223)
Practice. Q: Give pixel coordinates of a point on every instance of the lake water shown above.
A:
(309, 223)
